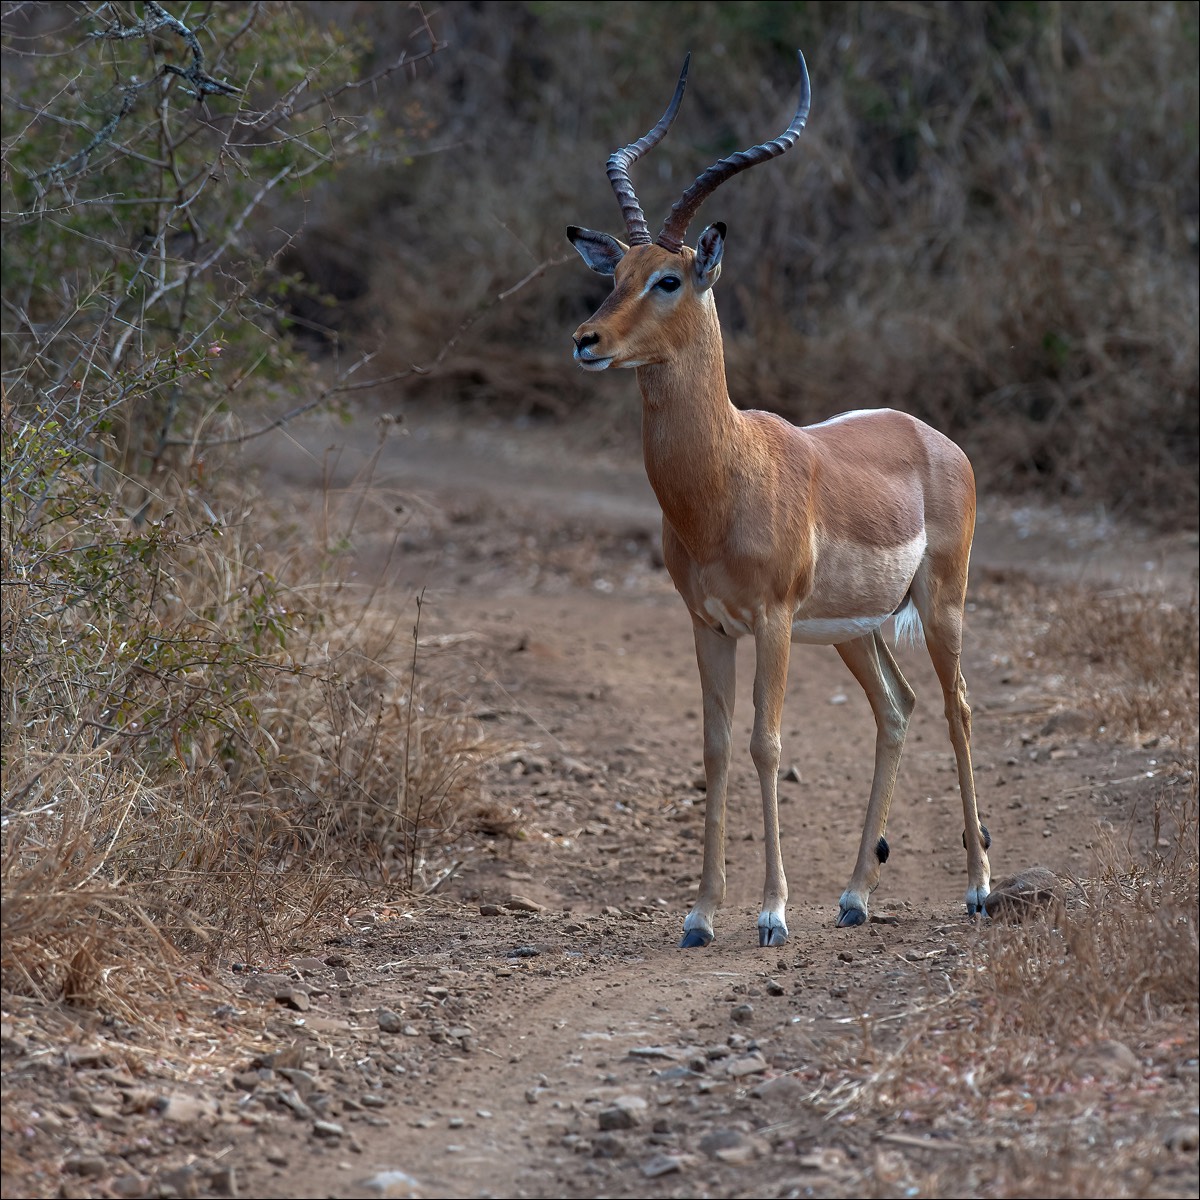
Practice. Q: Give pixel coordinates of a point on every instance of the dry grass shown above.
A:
(1133, 657)
(218, 764)
(1074, 1032)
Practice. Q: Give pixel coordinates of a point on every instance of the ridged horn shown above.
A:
(620, 161)
(675, 226)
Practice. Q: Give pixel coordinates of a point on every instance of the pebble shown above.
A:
(661, 1164)
(625, 1112)
(742, 1013)
(389, 1021)
(392, 1184)
(327, 1129)
(91, 1166)
(745, 1064)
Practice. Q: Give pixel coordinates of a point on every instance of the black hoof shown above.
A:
(772, 936)
(851, 916)
(693, 938)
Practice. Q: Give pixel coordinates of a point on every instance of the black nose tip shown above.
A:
(588, 339)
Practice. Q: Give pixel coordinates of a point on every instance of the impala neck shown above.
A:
(690, 434)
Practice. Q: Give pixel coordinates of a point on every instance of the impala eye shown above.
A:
(668, 283)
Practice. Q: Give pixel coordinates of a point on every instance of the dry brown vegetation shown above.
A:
(212, 736)
(990, 221)
(1052, 1020)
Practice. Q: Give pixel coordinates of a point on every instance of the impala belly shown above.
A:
(855, 589)
(877, 578)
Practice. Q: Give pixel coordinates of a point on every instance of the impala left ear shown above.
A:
(709, 249)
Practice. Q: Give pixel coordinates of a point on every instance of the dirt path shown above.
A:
(568, 1048)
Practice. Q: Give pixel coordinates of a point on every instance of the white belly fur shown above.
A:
(848, 577)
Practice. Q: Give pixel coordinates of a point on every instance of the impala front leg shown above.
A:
(772, 644)
(716, 656)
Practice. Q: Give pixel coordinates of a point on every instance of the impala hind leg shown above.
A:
(892, 701)
(941, 609)
(716, 656)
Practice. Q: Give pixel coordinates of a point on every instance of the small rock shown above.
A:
(607, 1145)
(183, 1182)
(305, 1082)
(223, 1180)
(745, 1064)
(522, 904)
(146, 1099)
(371, 1100)
(662, 1164)
(389, 1021)
(327, 1129)
(393, 1185)
(730, 1146)
(92, 1166)
(525, 952)
(654, 1052)
(1021, 895)
(780, 1087)
(489, 910)
(182, 1110)
(774, 987)
(790, 774)
(308, 964)
(272, 986)
(625, 1112)
(742, 1013)
(129, 1185)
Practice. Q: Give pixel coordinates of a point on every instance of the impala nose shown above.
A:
(588, 339)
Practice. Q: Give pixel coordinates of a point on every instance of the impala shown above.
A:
(816, 534)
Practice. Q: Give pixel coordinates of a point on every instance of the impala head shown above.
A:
(662, 290)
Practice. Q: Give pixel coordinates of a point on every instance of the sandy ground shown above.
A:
(543, 1035)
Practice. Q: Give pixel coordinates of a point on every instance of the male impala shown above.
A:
(816, 534)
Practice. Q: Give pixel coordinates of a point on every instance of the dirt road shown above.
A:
(532, 1029)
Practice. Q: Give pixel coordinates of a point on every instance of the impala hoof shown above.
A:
(695, 937)
(851, 916)
(773, 936)
(977, 902)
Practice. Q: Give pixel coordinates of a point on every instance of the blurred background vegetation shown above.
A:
(990, 221)
(218, 214)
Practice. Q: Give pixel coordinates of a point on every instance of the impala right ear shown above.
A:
(709, 249)
(601, 251)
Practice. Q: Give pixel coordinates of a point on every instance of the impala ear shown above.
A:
(601, 251)
(709, 249)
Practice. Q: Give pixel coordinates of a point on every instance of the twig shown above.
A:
(156, 18)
